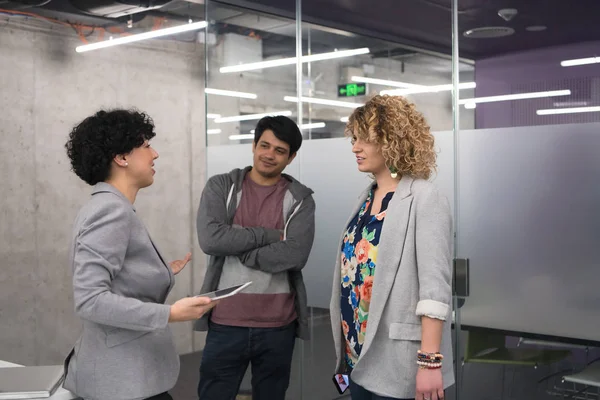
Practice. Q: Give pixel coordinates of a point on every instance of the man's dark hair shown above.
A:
(98, 139)
(284, 129)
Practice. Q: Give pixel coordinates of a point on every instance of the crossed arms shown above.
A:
(257, 247)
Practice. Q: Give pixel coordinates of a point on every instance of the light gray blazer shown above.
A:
(120, 284)
(412, 279)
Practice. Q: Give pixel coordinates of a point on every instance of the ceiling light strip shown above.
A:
(142, 36)
(250, 117)
(385, 82)
(573, 110)
(314, 125)
(325, 102)
(292, 60)
(242, 137)
(580, 61)
(230, 93)
(427, 89)
(516, 96)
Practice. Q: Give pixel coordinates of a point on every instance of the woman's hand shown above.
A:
(429, 384)
(178, 265)
(190, 308)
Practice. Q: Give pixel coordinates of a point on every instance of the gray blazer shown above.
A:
(412, 279)
(120, 284)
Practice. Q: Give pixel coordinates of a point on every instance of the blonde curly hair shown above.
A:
(394, 123)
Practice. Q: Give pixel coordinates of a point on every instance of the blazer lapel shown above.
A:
(390, 250)
(171, 275)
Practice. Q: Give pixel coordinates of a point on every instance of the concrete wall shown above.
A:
(47, 88)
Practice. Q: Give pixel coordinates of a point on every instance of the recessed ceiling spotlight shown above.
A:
(508, 13)
(536, 28)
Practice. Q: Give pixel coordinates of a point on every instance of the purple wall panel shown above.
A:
(533, 71)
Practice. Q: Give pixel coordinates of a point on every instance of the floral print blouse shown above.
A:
(358, 261)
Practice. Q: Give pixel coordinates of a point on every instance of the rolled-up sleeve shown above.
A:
(434, 254)
(99, 254)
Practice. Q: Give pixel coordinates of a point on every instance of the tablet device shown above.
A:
(226, 292)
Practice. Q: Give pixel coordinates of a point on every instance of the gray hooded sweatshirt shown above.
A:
(238, 254)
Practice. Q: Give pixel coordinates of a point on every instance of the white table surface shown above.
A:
(60, 394)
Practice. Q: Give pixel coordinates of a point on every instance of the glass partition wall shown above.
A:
(514, 109)
(527, 218)
(252, 70)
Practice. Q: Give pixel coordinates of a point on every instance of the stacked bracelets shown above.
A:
(429, 360)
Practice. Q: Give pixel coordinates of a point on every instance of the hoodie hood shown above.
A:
(297, 189)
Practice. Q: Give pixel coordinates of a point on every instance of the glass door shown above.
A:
(527, 220)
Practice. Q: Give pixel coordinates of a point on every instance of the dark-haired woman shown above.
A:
(120, 280)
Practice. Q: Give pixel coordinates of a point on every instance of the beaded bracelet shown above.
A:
(429, 356)
(428, 365)
(429, 360)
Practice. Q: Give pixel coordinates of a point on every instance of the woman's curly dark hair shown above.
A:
(98, 139)
(402, 132)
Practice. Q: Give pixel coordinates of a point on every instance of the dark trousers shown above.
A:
(360, 393)
(162, 396)
(229, 350)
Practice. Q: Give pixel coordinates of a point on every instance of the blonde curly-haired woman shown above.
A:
(391, 299)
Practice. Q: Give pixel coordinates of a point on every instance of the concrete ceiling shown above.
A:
(422, 24)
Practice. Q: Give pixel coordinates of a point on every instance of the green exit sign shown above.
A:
(352, 90)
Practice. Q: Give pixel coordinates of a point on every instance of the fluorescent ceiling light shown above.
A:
(572, 110)
(249, 117)
(213, 116)
(580, 61)
(344, 119)
(375, 81)
(518, 96)
(427, 89)
(292, 60)
(314, 125)
(241, 137)
(470, 106)
(325, 102)
(230, 93)
(306, 126)
(142, 36)
(213, 131)
(570, 104)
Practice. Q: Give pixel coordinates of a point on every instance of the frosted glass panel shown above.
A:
(444, 178)
(329, 168)
(530, 224)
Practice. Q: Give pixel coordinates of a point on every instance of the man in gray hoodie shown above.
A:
(257, 224)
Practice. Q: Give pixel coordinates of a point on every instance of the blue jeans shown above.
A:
(360, 393)
(229, 350)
